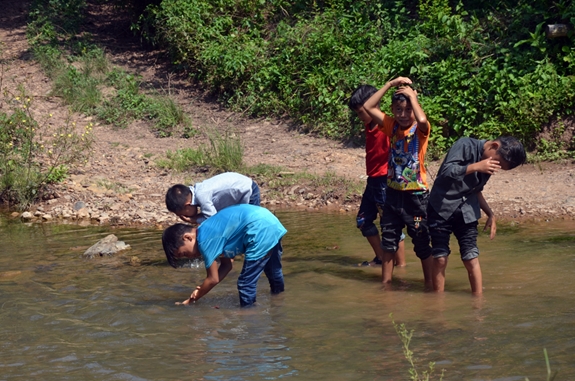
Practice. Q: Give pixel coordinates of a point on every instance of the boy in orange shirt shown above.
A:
(407, 189)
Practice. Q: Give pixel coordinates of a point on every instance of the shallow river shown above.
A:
(66, 318)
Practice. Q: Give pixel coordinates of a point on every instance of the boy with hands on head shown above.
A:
(407, 189)
(456, 201)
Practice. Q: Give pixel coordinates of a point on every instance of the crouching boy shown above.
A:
(240, 229)
(456, 199)
(211, 195)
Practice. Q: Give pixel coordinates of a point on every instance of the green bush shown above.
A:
(35, 153)
(481, 69)
(80, 71)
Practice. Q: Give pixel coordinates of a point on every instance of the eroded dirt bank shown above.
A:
(121, 185)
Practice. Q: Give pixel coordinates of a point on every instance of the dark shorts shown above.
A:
(371, 205)
(405, 209)
(440, 231)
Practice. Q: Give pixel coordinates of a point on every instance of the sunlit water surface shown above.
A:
(66, 318)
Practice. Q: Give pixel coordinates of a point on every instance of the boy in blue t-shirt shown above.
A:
(240, 229)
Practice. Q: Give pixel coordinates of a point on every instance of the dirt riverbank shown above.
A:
(121, 185)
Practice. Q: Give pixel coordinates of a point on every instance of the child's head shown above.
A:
(358, 98)
(179, 241)
(402, 110)
(179, 201)
(508, 151)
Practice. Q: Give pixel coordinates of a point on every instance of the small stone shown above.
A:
(79, 205)
(26, 216)
(47, 217)
(15, 214)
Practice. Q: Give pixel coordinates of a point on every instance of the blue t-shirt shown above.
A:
(239, 229)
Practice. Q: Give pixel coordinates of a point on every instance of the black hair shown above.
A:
(360, 96)
(172, 240)
(511, 150)
(399, 98)
(176, 197)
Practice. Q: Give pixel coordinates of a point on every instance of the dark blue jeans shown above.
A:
(371, 205)
(271, 265)
(441, 229)
(255, 197)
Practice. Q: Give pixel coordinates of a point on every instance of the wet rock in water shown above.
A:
(106, 246)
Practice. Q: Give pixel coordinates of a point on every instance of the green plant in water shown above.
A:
(405, 335)
(550, 377)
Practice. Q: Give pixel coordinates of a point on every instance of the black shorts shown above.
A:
(405, 209)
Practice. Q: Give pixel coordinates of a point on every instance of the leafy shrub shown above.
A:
(33, 153)
(480, 70)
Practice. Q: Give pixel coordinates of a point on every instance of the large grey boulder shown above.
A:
(106, 246)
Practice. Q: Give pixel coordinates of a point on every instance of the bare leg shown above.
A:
(387, 267)
(439, 266)
(399, 256)
(427, 265)
(475, 277)
(375, 243)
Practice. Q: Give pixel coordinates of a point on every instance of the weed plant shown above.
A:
(85, 80)
(34, 153)
(405, 335)
(222, 153)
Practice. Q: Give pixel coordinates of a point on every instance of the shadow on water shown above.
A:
(63, 317)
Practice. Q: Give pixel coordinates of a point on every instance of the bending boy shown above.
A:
(407, 190)
(211, 196)
(456, 199)
(240, 229)
(376, 158)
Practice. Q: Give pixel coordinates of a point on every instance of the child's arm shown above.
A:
(420, 117)
(215, 274)
(490, 223)
(372, 104)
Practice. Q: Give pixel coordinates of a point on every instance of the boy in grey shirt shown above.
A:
(456, 201)
(211, 195)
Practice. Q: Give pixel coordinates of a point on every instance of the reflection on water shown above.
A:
(66, 318)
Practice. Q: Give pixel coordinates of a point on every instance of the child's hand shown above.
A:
(408, 92)
(488, 166)
(490, 223)
(187, 219)
(192, 298)
(400, 81)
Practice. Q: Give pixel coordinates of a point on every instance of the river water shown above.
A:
(66, 318)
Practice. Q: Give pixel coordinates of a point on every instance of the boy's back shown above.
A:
(453, 187)
(239, 229)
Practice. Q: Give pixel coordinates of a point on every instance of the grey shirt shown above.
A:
(221, 191)
(453, 188)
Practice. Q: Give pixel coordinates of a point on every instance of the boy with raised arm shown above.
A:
(376, 158)
(407, 190)
(456, 201)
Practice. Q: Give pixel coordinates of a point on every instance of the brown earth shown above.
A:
(120, 184)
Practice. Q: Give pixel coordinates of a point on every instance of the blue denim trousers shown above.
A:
(271, 265)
